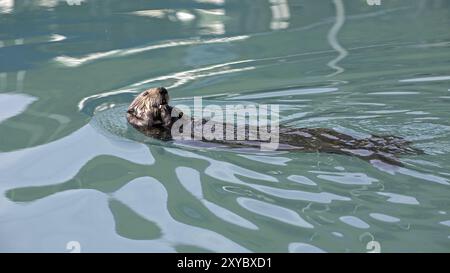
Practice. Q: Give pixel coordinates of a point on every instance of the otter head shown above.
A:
(154, 97)
(149, 107)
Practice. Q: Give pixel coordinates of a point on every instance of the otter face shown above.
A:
(154, 97)
(145, 110)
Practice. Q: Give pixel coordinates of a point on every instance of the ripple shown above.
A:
(301, 179)
(273, 211)
(284, 93)
(78, 61)
(178, 78)
(320, 197)
(408, 172)
(354, 222)
(273, 160)
(384, 217)
(399, 198)
(227, 172)
(222, 170)
(13, 104)
(346, 178)
(148, 197)
(424, 176)
(81, 215)
(61, 160)
(417, 113)
(385, 111)
(395, 93)
(427, 79)
(304, 248)
(190, 179)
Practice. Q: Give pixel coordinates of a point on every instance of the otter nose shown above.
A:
(162, 90)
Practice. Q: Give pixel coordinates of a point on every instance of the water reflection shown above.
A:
(190, 179)
(304, 248)
(273, 211)
(61, 160)
(280, 14)
(13, 104)
(384, 218)
(332, 37)
(399, 198)
(18, 76)
(6, 6)
(69, 172)
(136, 193)
(354, 222)
(74, 62)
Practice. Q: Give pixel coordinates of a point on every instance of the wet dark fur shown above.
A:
(151, 115)
(150, 108)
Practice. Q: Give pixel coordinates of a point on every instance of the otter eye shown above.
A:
(145, 93)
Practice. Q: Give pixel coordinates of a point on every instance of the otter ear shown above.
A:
(130, 111)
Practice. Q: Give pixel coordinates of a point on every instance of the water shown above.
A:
(69, 173)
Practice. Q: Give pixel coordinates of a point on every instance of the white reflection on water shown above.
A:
(13, 104)
(273, 160)
(427, 79)
(148, 197)
(395, 93)
(223, 170)
(346, 177)
(228, 172)
(180, 78)
(184, 16)
(217, 2)
(6, 6)
(190, 179)
(59, 161)
(391, 169)
(301, 179)
(280, 14)
(84, 215)
(304, 248)
(384, 218)
(284, 93)
(74, 61)
(193, 74)
(155, 13)
(57, 38)
(354, 222)
(208, 21)
(332, 38)
(399, 198)
(317, 197)
(81, 215)
(273, 211)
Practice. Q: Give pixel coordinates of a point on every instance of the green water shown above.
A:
(69, 173)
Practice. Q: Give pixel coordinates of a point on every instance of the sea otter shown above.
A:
(151, 114)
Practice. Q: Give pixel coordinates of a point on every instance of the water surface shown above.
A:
(69, 173)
